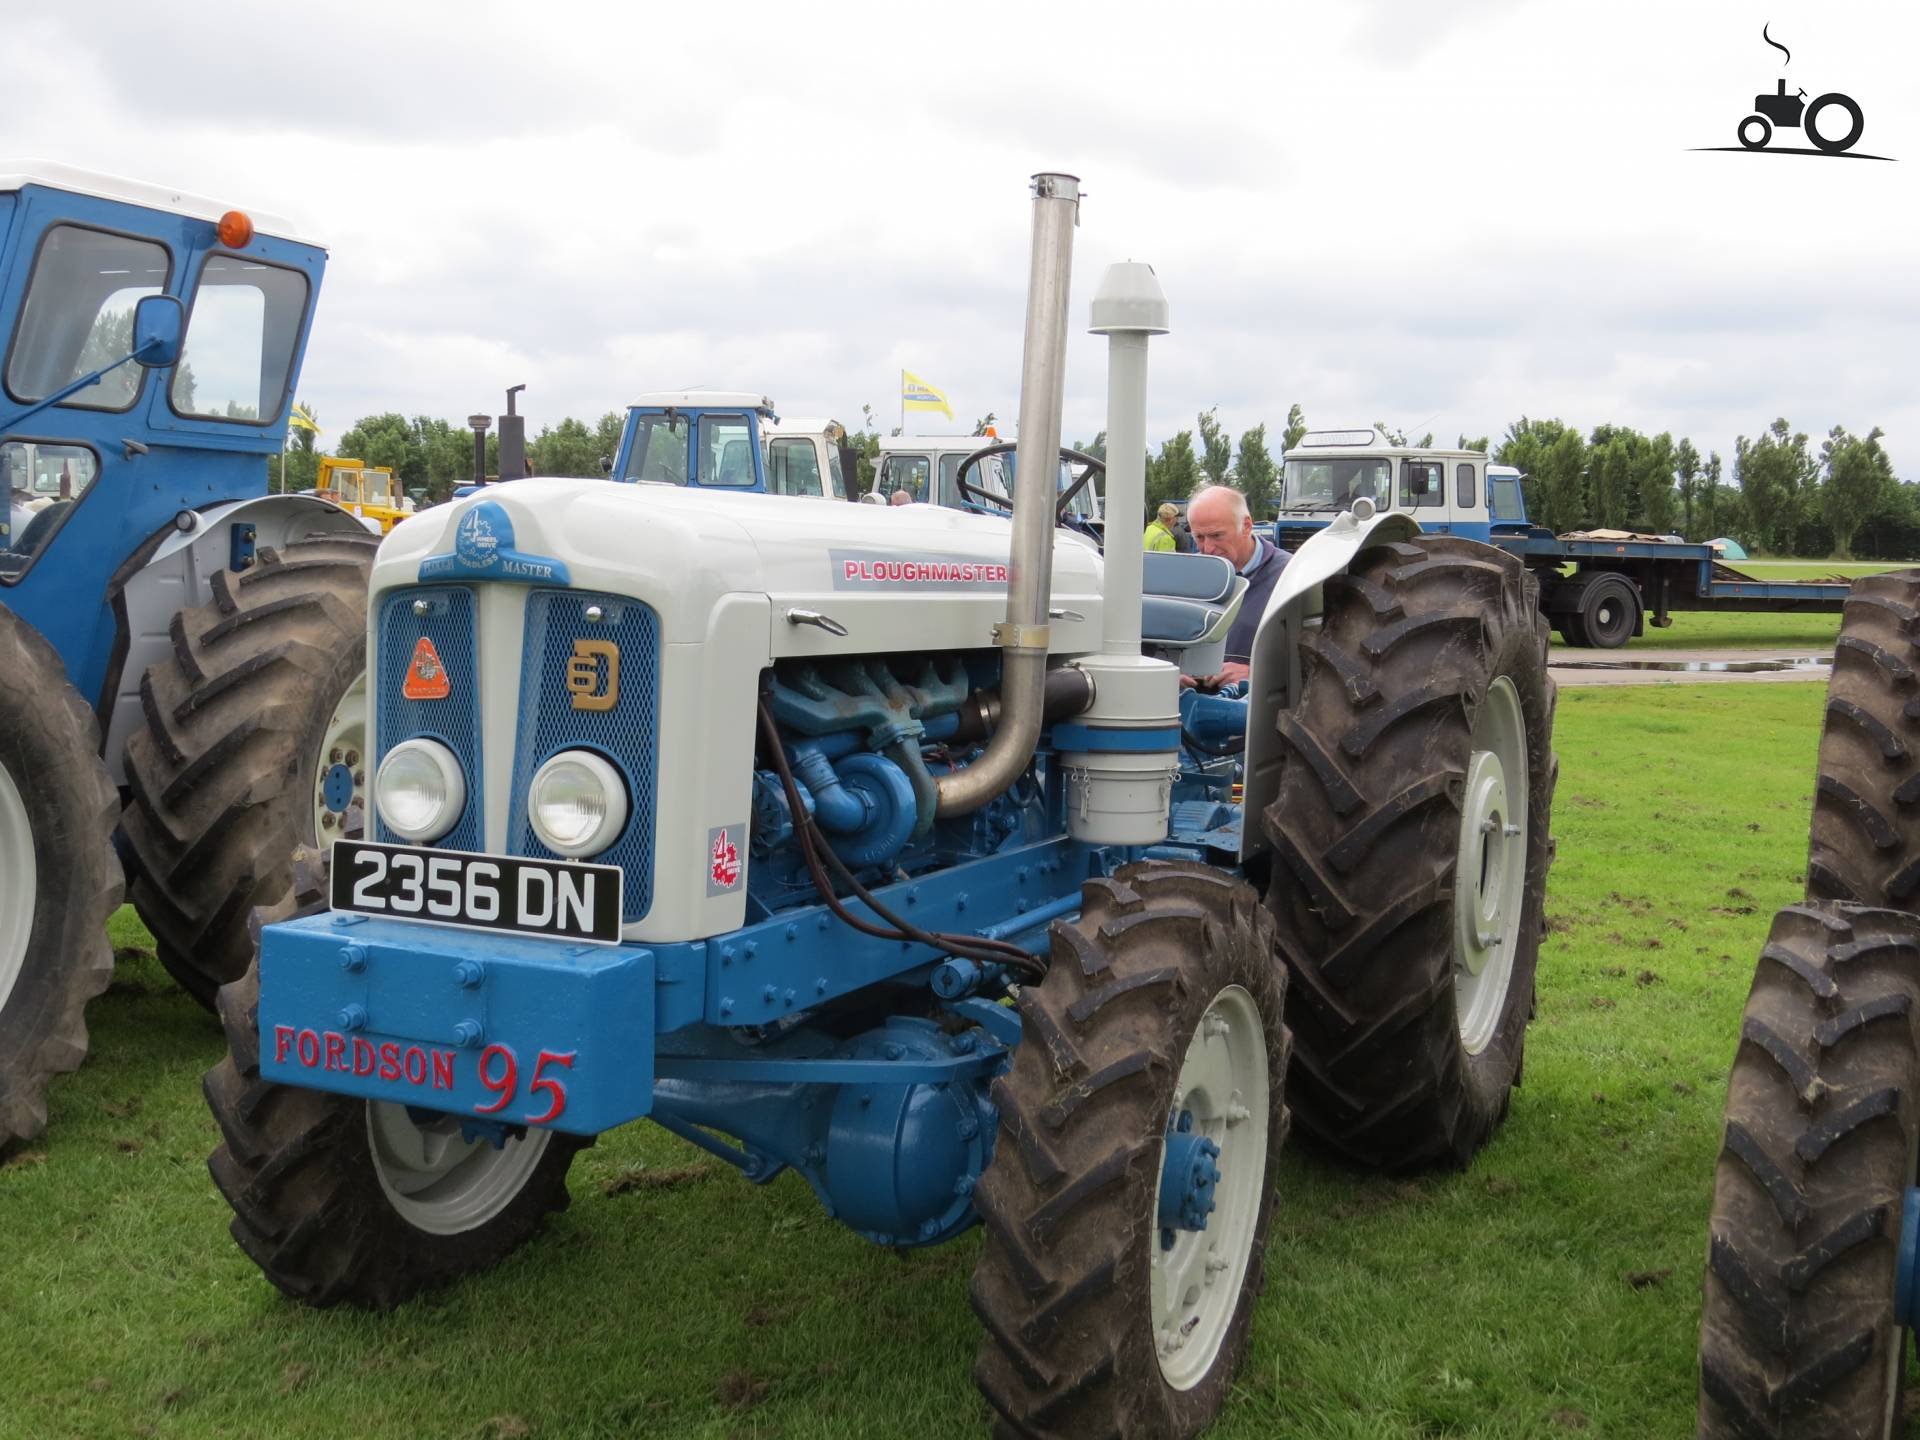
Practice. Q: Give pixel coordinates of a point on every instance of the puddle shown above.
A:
(1702, 667)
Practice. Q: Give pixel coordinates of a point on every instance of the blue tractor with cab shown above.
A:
(183, 650)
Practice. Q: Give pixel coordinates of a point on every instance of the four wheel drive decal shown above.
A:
(723, 858)
(426, 675)
(483, 550)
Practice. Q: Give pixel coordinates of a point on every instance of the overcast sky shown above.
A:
(1443, 215)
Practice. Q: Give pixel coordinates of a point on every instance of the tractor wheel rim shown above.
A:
(1194, 1285)
(19, 881)
(340, 769)
(439, 1182)
(1490, 876)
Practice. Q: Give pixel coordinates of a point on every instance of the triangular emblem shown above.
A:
(426, 676)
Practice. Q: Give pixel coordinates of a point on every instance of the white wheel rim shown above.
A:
(1195, 1286)
(1491, 874)
(19, 879)
(343, 743)
(440, 1183)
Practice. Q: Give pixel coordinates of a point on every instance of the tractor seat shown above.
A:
(736, 465)
(1187, 599)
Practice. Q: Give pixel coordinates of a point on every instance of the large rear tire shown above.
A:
(338, 1199)
(1156, 1034)
(228, 772)
(1411, 847)
(59, 877)
(1865, 841)
(1799, 1339)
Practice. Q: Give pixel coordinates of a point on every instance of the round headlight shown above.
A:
(420, 790)
(577, 803)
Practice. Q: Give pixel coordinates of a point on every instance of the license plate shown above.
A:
(559, 901)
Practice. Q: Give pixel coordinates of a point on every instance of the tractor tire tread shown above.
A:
(50, 746)
(1365, 828)
(1061, 1286)
(1798, 1337)
(217, 775)
(1865, 840)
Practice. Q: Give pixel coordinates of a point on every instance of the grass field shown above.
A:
(1551, 1289)
(1786, 634)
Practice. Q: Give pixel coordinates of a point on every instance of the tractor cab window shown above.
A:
(1423, 484)
(240, 341)
(726, 451)
(793, 468)
(904, 472)
(44, 481)
(1503, 499)
(78, 315)
(1465, 495)
(837, 479)
(1335, 482)
(659, 449)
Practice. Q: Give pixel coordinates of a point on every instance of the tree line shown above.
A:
(1779, 495)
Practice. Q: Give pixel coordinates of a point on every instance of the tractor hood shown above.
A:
(911, 577)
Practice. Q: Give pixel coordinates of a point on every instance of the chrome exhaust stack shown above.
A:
(1024, 636)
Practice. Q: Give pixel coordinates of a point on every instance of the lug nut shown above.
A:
(352, 1017)
(353, 958)
(468, 1034)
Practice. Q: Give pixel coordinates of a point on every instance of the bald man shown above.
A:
(1222, 526)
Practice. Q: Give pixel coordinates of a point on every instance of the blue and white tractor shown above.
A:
(175, 639)
(878, 844)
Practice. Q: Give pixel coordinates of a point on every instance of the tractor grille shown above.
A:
(626, 734)
(448, 622)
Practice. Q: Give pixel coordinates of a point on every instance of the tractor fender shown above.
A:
(173, 571)
(1274, 673)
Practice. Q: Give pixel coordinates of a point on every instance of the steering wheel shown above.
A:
(995, 504)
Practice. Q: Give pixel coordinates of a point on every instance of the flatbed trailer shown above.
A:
(1595, 590)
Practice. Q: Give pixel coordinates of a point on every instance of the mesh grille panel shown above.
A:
(626, 734)
(449, 624)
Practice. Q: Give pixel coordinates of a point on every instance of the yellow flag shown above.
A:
(301, 418)
(916, 394)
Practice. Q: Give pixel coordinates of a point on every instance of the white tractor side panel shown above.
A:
(708, 717)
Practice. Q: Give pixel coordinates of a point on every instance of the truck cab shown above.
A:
(731, 440)
(1446, 492)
